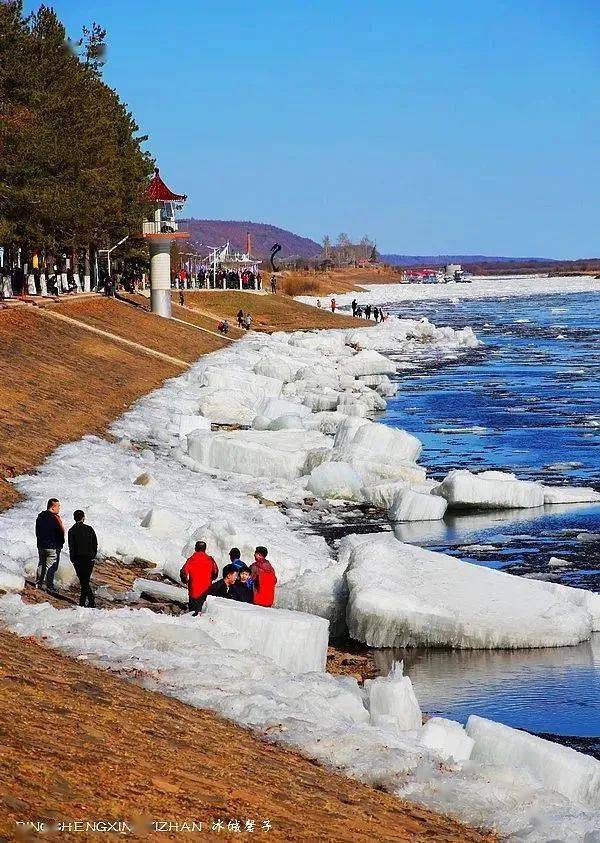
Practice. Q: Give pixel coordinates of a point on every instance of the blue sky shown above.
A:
(435, 126)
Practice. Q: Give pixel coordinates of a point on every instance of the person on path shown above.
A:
(354, 306)
(247, 322)
(199, 571)
(240, 318)
(318, 302)
(224, 586)
(333, 305)
(83, 547)
(367, 311)
(181, 298)
(273, 284)
(50, 537)
(263, 578)
(376, 314)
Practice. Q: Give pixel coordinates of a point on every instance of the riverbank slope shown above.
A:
(108, 749)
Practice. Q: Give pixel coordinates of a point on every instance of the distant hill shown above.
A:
(440, 260)
(263, 237)
(486, 265)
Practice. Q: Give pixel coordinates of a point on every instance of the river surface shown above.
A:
(527, 402)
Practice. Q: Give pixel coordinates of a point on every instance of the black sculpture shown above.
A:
(274, 249)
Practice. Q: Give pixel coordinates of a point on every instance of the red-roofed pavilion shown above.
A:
(160, 230)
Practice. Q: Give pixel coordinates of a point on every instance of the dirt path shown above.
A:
(79, 744)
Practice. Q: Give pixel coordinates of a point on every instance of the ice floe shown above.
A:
(401, 595)
(489, 490)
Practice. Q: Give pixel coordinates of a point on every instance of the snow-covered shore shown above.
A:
(170, 480)
(481, 287)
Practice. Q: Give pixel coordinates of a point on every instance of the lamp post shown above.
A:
(112, 248)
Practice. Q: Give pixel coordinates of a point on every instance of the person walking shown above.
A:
(198, 573)
(263, 578)
(240, 318)
(50, 537)
(367, 311)
(181, 298)
(354, 306)
(376, 314)
(318, 302)
(83, 547)
(273, 284)
(333, 305)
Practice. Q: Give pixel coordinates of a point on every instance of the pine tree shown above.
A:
(71, 165)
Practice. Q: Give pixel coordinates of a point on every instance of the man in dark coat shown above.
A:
(50, 537)
(83, 547)
(224, 586)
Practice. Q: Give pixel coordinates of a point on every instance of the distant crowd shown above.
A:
(254, 583)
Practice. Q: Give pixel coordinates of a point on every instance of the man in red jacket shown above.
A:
(263, 577)
(198, 573)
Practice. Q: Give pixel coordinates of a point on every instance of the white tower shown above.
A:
(160, 231)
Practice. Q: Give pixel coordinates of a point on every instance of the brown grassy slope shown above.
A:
(270, 312)
(58, 381)
(80, 744)
(139, 325)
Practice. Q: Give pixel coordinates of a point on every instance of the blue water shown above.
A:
(528, 402)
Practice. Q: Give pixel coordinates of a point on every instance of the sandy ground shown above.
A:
(81, 744)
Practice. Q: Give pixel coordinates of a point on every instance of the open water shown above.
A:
(527, 402)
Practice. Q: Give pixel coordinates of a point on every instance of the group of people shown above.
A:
(254, 583)
(244, 320)
(378, 313)
(83, 546)
(234, 279)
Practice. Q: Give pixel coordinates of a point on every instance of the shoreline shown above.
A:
(134, 423)
(483, 286)
(405, 821)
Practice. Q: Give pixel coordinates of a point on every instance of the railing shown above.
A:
(151, 227)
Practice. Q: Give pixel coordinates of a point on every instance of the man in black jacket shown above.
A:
(50, 536)
(83, 547)
(224, 586)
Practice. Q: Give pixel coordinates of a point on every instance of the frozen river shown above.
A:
(528, 402)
